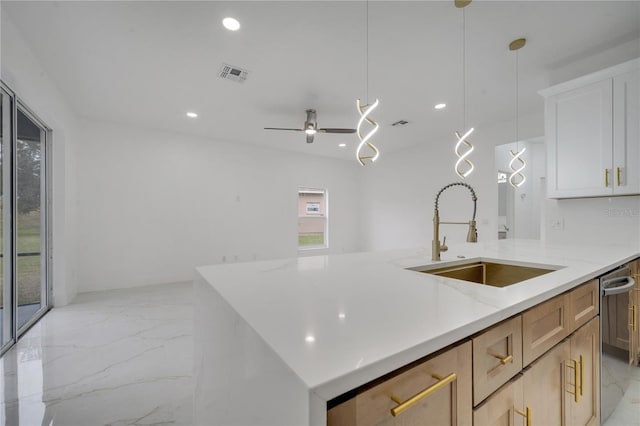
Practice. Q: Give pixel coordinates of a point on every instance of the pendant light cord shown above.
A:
(464, 73)
(517, 105)
(367, 53)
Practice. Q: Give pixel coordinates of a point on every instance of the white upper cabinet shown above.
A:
(592, 134)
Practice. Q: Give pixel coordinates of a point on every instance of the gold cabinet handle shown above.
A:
(606, 178)
(576, 373)
(632, 324)
(581, 376)
(528, 414)
(405, 405)
(504, 360)
(618, 174)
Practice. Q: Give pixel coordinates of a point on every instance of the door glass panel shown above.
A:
(29, 229)
(6, 314)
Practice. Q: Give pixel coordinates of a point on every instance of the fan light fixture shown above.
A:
(463, 166)
(517, 178)
(231, 24)
(365, 111)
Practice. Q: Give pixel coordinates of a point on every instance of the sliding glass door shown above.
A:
(6, 293)
(23, 204)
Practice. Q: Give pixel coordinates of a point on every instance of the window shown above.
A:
(312, 218)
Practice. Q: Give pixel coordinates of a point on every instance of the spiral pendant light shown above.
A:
(364, 111)
(517, 178)
(371, 151)
(463, 148)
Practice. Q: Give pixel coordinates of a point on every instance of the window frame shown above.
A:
(324, 215)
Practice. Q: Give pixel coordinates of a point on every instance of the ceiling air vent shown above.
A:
(230, 72)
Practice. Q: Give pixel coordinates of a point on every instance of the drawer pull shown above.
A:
(606, 178)
(403, 406)
(577, 373)
(632, 324)
(504, 360)
(528, 414)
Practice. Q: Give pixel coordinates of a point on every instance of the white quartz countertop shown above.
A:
(340, 321)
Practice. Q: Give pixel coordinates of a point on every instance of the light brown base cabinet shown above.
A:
(537, 368)
(560, 388)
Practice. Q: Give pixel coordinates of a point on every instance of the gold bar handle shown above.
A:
(528, 414)
(576, 374)
(632, 324)
(606, 178)
(405, 405)
(504, 360)
(581, 376)
(618, 174)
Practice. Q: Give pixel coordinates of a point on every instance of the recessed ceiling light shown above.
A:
(310, 339)
(231, 24)
(440, 106)
(342, 145)
(192, 114)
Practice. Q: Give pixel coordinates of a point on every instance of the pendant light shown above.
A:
(365, 112)
(517, 178)
(463, 166)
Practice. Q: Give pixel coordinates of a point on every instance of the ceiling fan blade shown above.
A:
(336, 130)
(309, 138)
(282, 128)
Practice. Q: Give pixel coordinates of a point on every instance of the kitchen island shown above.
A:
(276, 340)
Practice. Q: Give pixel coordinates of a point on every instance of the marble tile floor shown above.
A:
(125, 357)
(121, 357)
(621, 382)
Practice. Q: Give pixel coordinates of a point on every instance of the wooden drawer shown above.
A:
(497, 357)
(544, 326)
(448, 405)
(584, 304)
(499, 409)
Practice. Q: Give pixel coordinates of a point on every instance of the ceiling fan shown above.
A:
(311, 127)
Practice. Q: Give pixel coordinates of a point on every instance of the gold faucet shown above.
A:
(472, 235)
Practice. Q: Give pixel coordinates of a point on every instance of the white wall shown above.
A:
(600, 220)
(23, 73)
(154, 205)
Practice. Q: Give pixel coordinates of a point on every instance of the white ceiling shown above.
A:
(148, 63)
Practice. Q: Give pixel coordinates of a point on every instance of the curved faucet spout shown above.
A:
(472, 234)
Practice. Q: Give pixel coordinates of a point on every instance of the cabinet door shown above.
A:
(626, 133)
(579, 136)
(585, 354)
(448, 402)
(547, 386)
(500, 408)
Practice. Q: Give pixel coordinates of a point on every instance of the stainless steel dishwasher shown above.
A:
(615, 290)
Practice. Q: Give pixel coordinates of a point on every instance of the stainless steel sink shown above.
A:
(488, 272)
